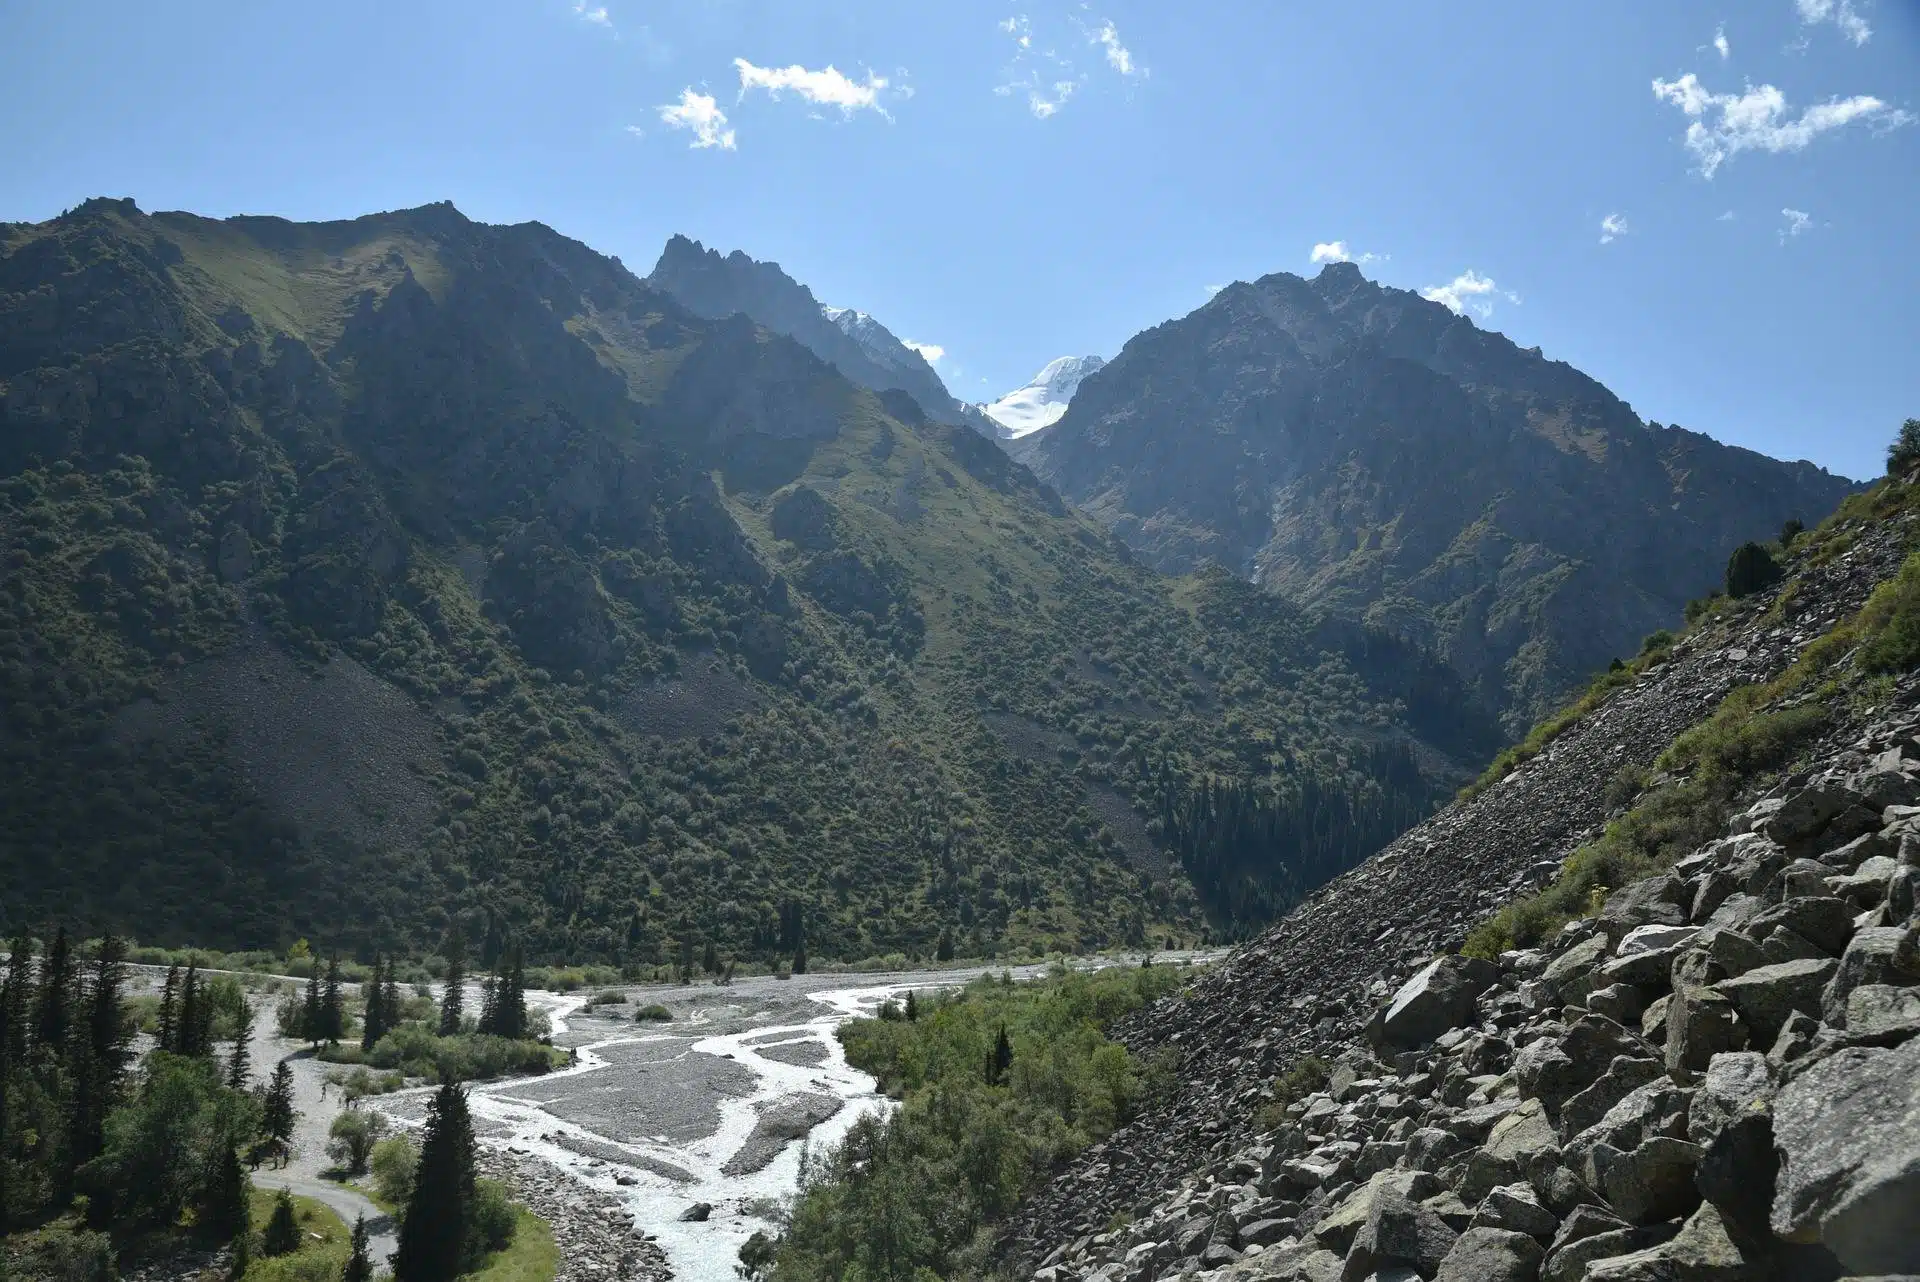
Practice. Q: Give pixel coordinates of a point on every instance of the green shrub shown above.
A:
(652, 1013)
(1303, 1077)
(1904, 454)
(393, 1164)
(1751, 569)
(493, 1215)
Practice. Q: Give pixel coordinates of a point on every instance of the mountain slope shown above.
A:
(1796, 693)
(374, 579)
(1042, 401)
(1367, 451)
(715, 286)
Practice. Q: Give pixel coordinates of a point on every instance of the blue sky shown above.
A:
(1014, 182)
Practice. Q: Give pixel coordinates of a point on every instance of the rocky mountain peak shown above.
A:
(1042, 401)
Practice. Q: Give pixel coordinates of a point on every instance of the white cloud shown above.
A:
(1725, 218)
(1469, 291)
(1612, 228)
(1042, 106)
(636, 131)
(1336, 251)
(1840, 13)
(931, 351)
(595, 14)
(1720, 43)
(699, 115)
(1117, 55)
(1726, 124)
(827, 87)
(1214, 289)
(1797, 221)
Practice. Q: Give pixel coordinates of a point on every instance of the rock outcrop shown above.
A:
(1536, 1137)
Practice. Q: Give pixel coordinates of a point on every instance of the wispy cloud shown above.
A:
(1336, 251)
(1720, 44)
(828, 87)
(1612, 228)
(595, 14)
(1469, 292)
(1725, 124)
(699, 115)
(1118, 56)
(932, 352)
(1794, 222)
(1840, 13)
(1725, 218)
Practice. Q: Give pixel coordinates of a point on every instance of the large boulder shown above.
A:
(1485, 1254)
(1337, 1229)
(1882, 1015)
(1439, 997)
(1701, 1023)
(1517, 1143)
(1637, 1158)
(1702, 1251)
(1515, 1208)
(1873, 956)
(1732, 1120)
(1398, 1231)
(1555, 1069)
(1766, 995)
(1824, 920)
(1569, 1263)
(1848, 1133)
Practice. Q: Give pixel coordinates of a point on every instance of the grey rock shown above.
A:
(1655, 938)
(1882, 1015)
(1569, 1263)
(1516, 1209)
(1651, 1182)
(1783, 945)
(1398, 1231)
(1806, 813)
(1766, 995)
(1701, 1023)
(1702, 1251)
(1733, 1084)
(1585, 1222)
(697, 1213)
(1489, 1254)
(1447, 1205)
(1823, 920)
(1619, 1002)
(1873, 956)
(1848, 1132)
(1571, 973)
(1265, 1232)
(1623, 1076)
(1438, 997)
(1514, 1144)
(1337, 1229)
(1797, 1037)
(1653, 1020)
(1655, 901)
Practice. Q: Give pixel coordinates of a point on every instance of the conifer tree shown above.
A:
(282, 1234)
(276, 1114)
(360, 1261)
(101, 1062)
(169, 1031)
(52, 1009)
(333, 1015)
(188, 1022)
(943, 950)
(16, 1000)
(800, 958)
(310, 1015)
(373, 1023)
(1000, 1059)
(439, 1233)
(390, 997)
(710, 958)
(453, 1000)
(224, 1213)
(240, 1054)
(240, 1259)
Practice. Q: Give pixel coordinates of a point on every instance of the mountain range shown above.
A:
(379, 580)
(1367, 452)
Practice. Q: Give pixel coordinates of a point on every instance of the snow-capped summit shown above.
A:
(875, 339)
(1044, 400)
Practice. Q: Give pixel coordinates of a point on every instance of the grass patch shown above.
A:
(325, 1242)
(532, 1256)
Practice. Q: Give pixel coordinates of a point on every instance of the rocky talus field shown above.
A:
(1713, 1074)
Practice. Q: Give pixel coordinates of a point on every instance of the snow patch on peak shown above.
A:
(1041, 402)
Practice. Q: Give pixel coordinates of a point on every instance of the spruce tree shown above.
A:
(710, 958)
(453, 1000)
(101, 1063)
(224, 1212)
(913, 1009)
(360, 1261)
(373, 1023)
(282, 1234)
(333, 1015)
(1000, 1059)
(390, 998)
(277, 1117)
(310, 1014)
(169, 1031)
(53, 1005)
(188, 1022)
(240, 1054)
(438, 1233)
(16, 1000)
(943, 948)
(240, 1259)
(800, 958)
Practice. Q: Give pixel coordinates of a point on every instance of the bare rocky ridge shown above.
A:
(1310, 984)
(1716, 1078)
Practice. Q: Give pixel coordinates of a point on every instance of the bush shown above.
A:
(418, 1052)
(493, 1217)
(352, 1136)
(1904, 454)
(653, 1013)
(1751, 569)
(606, 999)
(1792, 528)
(59, 1255)
(393, 1162)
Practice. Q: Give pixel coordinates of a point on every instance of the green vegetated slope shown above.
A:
(364, 580)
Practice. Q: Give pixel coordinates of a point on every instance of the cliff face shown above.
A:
(1365, 450)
